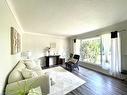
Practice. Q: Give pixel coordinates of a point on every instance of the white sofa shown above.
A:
(29, 78)
(26, 76)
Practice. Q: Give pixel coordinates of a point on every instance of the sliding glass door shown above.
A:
(90, 50)
(96, 50)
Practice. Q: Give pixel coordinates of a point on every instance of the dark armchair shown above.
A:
(73, 63)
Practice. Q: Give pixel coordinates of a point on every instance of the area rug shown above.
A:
(65, 81)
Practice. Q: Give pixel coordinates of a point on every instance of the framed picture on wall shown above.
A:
(15, 41)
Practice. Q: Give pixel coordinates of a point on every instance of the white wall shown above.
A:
(116, 27)
(36, 43)
(7, 61)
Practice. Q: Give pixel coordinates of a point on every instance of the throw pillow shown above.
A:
(29, 64)
(20, 66)
(15, 76)
(28, 73)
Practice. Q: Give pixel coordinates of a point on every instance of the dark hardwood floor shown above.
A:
(98, 84)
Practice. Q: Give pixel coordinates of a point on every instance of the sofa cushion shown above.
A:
(20, 65)
(15, 76)
(29, 64)
(28, 73)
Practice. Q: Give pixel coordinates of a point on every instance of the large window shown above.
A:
(90, 50)
(96, 50)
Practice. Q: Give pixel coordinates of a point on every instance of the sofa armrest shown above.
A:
(28, 84)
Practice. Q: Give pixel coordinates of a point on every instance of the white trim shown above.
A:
(10, 6)
(91, 63)
(94, 67)
(40, 34)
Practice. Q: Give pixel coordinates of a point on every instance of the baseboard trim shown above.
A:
(124, 79)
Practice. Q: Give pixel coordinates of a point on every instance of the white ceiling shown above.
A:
(68, 17)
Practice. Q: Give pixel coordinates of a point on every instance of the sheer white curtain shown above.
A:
(106, 51)
(115, 55)
(77, 47)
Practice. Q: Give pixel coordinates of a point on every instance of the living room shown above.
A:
(55, 28)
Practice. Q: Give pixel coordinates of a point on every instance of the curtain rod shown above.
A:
(102, 34)
(122, 30)
(113, 31)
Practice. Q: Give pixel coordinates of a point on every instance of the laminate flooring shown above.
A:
(98, 84)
